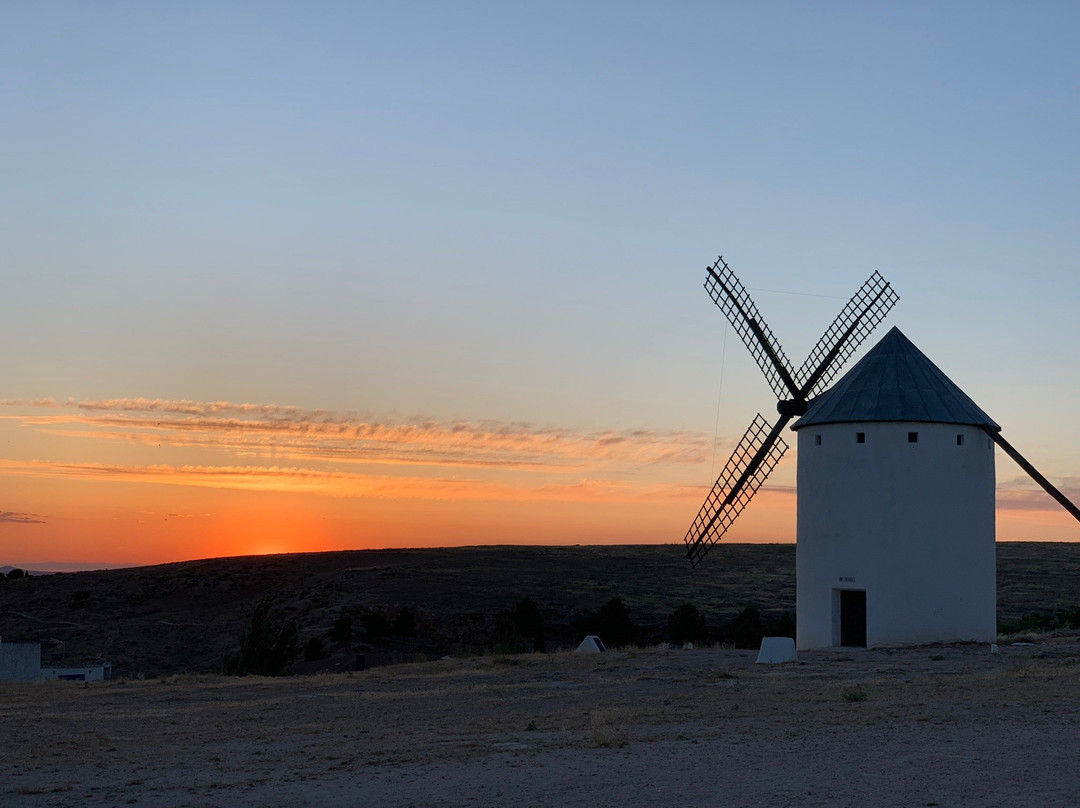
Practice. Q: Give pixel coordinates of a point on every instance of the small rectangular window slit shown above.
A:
(817, 440)
(912, 437)
(860, 437)
(959, 440)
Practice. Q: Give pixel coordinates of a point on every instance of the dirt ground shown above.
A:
(936, 725)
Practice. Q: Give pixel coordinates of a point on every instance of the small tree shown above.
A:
(528, 622)
(405, 622)
(267, 647)
(746, 628)
(315, 650)
(375, 624)
(686, 624)
(612, 623)
(342, 629)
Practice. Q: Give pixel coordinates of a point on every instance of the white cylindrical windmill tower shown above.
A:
(895, 540)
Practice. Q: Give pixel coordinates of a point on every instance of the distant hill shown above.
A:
(188, 616)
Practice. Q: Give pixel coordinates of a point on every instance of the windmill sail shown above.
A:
(761, 447)
(754, 458)
(862, 314)
(731, 296)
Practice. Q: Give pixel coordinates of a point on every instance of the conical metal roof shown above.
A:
(894, 382)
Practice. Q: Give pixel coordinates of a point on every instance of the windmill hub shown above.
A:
(791, 407)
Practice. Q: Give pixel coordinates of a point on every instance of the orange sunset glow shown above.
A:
(137, 481)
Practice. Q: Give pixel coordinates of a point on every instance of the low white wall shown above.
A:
(89, 673)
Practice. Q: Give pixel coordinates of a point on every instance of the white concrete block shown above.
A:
(775, 650)
(591, 645)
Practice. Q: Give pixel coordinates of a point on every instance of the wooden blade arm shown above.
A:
(1048, 486)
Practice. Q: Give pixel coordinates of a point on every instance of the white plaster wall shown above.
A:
(912, 524)
(20, 661)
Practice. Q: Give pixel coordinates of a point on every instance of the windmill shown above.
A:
(896, 480)
(761, 447)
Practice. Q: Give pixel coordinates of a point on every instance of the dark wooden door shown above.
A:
(853, 617)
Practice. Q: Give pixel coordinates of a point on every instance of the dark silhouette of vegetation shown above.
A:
(267, 647)
(529, 623)
(784, 626)
(375, 624)
(686, 624)
(405, 623)
(341, 631)
(506, 639)
(746, 628)
(1042, 621)
(315, 649)
(13, 574)
(611, 624)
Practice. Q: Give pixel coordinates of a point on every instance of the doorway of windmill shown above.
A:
(853, 617)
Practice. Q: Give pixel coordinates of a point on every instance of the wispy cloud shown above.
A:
(21, 518)
(348, 484)
(1021, 493)
(284, 432)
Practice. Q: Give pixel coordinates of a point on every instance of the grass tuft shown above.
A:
(854, 693)
(610, 728)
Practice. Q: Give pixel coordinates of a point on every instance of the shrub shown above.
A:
(267, 647)
(405, 623)
(342, 629)
(506, 638)
(612, 623)
(784, 626)
(375, 624)
(854, 693)
(746, 629)
(315, 650)
(529, 623)
(15, 573)
(686, 624)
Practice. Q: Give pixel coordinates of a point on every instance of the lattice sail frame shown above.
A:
(717, 514)
(731, 297)
(759, 448)
(862, 314)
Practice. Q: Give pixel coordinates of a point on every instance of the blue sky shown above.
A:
(491, 211)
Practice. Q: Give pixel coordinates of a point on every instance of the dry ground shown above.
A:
(949, 726)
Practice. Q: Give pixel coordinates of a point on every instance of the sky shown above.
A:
(286, 277)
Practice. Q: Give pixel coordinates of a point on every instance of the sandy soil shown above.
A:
(953, 725)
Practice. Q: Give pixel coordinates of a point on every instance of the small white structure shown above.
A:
(84, 673)
(20, 661)
(895, 539)
(776, 650)
(591, 645)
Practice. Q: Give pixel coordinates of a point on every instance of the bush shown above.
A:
(686, 624)
(746, 629)
(342, 629)
(15, 573)
(375, 624)
(405, 623)
(612, 624)
(314, 650)
(784, 626)
(267, 647)
(528, 623)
